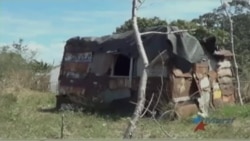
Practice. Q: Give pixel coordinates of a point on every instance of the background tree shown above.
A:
(217, 23)
(142, 24)
(19, 66)
(40, 66)
(200, 32)
(212, 23)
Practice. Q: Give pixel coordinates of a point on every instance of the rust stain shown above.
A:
(76, 67)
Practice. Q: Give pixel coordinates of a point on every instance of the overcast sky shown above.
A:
(46, 24)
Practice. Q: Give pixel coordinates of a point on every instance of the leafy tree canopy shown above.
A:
(142, 24)
(212, 23)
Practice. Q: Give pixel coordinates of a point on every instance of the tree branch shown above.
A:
(163, 130)
(149, 104)
(155, 120)
(162, 83)
(140, 3)
(170, 32)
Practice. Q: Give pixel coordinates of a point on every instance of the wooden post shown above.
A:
(62, 126)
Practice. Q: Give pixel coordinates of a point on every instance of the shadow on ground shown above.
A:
(115, 111)
(48, 110)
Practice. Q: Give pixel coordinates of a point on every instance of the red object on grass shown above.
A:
(200, 126)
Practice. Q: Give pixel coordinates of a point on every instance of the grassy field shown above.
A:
(22, 118)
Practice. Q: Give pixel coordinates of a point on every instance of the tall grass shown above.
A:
(25, 115)
(19, 68)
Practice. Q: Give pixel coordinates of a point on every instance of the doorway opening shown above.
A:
(122, 66)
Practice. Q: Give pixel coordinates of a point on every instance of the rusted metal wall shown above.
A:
(84, 77)
(93, 88)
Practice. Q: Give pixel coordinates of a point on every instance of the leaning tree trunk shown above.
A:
(233, 51)
(143, 81)
(235, 62)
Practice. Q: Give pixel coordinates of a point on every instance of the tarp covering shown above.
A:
(181, 44)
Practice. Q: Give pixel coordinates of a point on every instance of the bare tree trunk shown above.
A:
(235, 63)
(140, 105)
(143, 81)
(233, 50)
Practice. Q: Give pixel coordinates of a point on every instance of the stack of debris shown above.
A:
(211, 86)
(225, 78)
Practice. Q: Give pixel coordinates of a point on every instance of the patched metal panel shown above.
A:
(80, 67)
(78, 57)
(181, 85)
(102, 63)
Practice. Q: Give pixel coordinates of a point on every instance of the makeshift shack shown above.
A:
(96, 71)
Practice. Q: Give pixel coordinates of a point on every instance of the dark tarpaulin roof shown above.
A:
(181, 44)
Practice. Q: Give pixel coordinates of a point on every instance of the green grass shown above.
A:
(21, 118)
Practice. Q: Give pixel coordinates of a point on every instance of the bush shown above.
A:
(19, 69)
